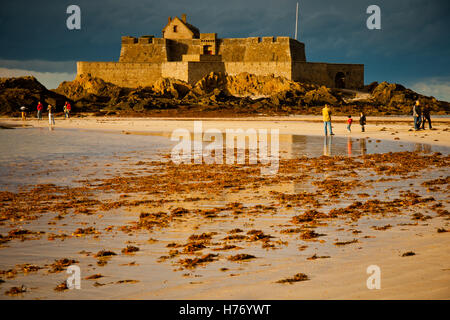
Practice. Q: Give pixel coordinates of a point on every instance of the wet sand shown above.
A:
(225, 231)
(386, 128)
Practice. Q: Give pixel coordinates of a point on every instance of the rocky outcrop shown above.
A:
(86, 87)
(246, 84)
(396, 99)
(25, 91)
(171, 88)
(216, 94)
(320, 96)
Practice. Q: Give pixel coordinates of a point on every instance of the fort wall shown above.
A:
(178, 70)
(147, 59)
(327, 74)
(198, 70)
(265, 49)
(146, 74)
(129, 75)
(278, 69)
(144, 49)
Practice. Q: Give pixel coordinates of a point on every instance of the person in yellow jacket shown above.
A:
(326, 113)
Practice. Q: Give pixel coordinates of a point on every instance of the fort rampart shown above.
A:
(186, 54)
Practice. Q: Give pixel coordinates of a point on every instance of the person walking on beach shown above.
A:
(362, 121)
(39, 111)
(67, 109)
(417, 115)
(23, 110)
(326, 113)
(426, 117)
(349, 123)
(51, 118)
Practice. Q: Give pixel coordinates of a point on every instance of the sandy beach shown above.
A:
(386, 128)
(141, 227)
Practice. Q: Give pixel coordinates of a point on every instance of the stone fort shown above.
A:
(186, 54)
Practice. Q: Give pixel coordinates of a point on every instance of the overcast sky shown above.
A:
(412, 48)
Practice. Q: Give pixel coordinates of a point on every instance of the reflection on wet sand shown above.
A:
(362, 146)
(291, 145)
(313, 146)
(327, 142)
(349, 146)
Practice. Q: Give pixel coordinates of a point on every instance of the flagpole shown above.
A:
(296, 21)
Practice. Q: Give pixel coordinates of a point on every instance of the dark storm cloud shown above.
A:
(412, 44)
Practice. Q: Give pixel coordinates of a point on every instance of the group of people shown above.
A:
(51, 109)
(421, 115)
(326, 113)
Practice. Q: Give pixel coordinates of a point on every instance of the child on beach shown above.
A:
(23, 110)
(39, 111)
(67, 109)
(51, 118)
(349, 123)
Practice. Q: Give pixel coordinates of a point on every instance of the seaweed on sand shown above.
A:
(296, 278)
(61, 265)
(241, 257)
(192, 263)
(130, 250)
(343, 243)
(14, 291)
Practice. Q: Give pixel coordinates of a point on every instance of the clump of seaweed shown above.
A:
(236, 230)
(61, 265)
(292, 230)
(192, 263)
(150, 220)
(14, 291)
(420, 216)
(27, 267)
(241, 257)
(296, 278)
(178, 212)
(310, 234)
(191, 247)
(343, 243)
(315, 256)
(382, 228)
(235, 237)
(82, 232)
(308, 216)
(255, 235)
(227, 247)
(104, 254)
(94, 276)
(61, 287)
(127, 281)
(130, 250)
(203, 236)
